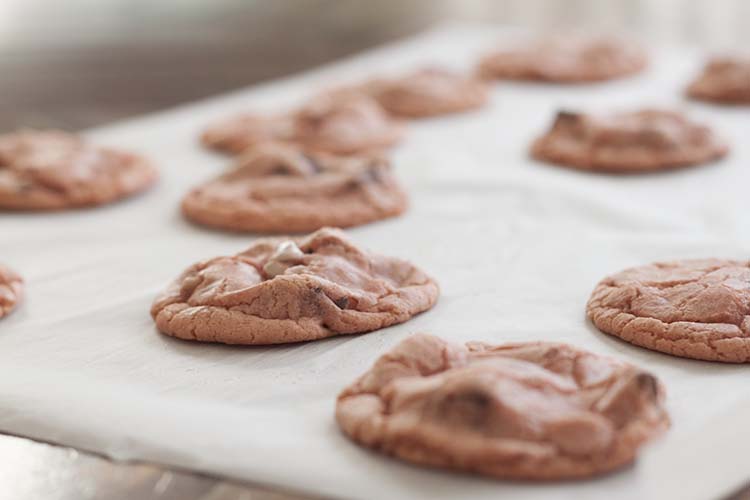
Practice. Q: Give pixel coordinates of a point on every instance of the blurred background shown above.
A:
(75, 64)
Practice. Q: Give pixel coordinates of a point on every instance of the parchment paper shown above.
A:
(516, 246)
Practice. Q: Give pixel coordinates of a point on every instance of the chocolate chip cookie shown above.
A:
(430, 92)
(52, 170)
(531, 410)
(634, 142)
(284, 290)
(724, 80)
(571, 59)
(691, 308)
(281, 189)
(11, 289)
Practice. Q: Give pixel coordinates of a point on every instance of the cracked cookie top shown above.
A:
(692, 308)
(630, 142)
(290, 290)
(45, 170)
(279, 189)
(565, 60)
(536, 410)
(723, 80)
(11, 288)
(239, 133)
(430, 92)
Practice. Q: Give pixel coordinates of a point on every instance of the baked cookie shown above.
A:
(533, 410)
(696, 309)
(724, 80)
(238, 133)
(11, 288)
(642, 141)
(565, 60)
(284, 290)
(279, 189)
(346, 122)
(51, 170)
(431, 92)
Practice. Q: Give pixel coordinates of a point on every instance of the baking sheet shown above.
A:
(516, 247)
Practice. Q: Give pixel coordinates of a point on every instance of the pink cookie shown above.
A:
(690, 308)
(284, 290)
(51, 170)
(565, 59)
(11, 289)
(533, 410)
(431, 92)
(279, 189)
(634, 142)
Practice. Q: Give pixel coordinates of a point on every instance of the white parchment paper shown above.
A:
(516, 246)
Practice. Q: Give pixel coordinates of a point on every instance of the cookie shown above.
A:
(52, 170)
(725, 80)
(346, 122)
(284, 290)
(431, 92)
(238, 133)
(696, 309)
(531, 410)
(565, 60)
(635, 142)
(280, 189)
(11, 289)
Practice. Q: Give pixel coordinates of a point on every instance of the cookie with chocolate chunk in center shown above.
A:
(528, 410)
(53, 170)
(565, 59)
(633, 142)
(11, 289)
(281, 189)
(284, 290)
(696, 309)
(430, 92)
(724, 80)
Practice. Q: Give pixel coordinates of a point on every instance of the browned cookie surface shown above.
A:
(565, 60)
(11, 288)
(641, 141)
(346, 122)
(51, 170)
(724, 80)
(291, 290)
(430, 92)
(536, 410)
(238, 133)
(280, 189)
(692, 308)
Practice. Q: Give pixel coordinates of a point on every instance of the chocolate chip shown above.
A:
(342, 302)
(281, 169)
(648, 383)
(470, 407)
(567, 117)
